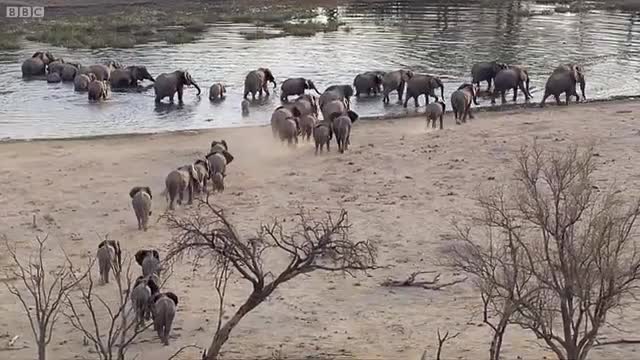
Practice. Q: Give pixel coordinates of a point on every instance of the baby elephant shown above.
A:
(149, 260)
(245, 107)
(141, 202)
(289, 130)
(164, 311)
(54, 77)
(342, 128)
(202, 175)
(216, 92)
(435, 111)
(461, 100)
(307, 123)
(109, 255)
(177, 182)
(143, 291)
(322, 134)
(97, 90)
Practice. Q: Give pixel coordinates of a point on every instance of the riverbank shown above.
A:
(402, 185)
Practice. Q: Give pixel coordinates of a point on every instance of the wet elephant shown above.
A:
(167, 84)
(512, 78)
(54, 77)
(81, 82)
(36, 65)
(422, 84)
(101, 71)
(217, 92)
(296, 86)
(395, 81)
(98, 90)
(461, 101)
(129, 77)
(564, 80)
(336, 92)
(485, 71)
(256, 82)
(368, 83)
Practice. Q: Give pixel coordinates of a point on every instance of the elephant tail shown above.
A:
(165, 193)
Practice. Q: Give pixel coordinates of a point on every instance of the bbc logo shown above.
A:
(25, 11)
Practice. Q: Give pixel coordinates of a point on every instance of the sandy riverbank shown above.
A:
(401, 186)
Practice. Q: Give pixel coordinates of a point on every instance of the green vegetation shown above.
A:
(260, 34)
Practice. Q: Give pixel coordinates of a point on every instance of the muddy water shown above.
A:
(429, 37)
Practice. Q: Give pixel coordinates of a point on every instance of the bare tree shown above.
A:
(43, 292)
(111, 341)
(560, 254)
(311, 245)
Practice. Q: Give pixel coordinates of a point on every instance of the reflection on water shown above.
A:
(441, 38)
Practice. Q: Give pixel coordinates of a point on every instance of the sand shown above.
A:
(401, 184)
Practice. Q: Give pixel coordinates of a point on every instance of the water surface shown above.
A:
(438, 38)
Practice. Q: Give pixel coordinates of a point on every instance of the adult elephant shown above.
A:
(563, 80)
(279, 118)
(69, 71)
(305, 104)
(56, 66)
(101, 71)
(395, 81)
(333, 107)
(422, 84)
(513, 77)
(256, 82)
(129, 77)
(167, 84)
(36, 65)
(296, 86)
(336, 92)
(485, 71)
(368, 82)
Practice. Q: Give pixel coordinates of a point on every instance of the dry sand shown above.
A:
(401, 185)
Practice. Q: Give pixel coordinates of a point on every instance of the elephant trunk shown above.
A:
(442, 91)
(274, 83)
(582, 85)
(316, 90)
(197, 87)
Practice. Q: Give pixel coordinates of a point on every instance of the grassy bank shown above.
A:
(137, 25)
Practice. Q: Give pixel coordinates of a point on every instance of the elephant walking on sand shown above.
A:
(167, 84)
(485, 71)
(322, 134)
(368, 83)
(341, 126)
(109, 255)
(141, 202)
(395, 81)
(563, 80)
(36, 65)
(421, 84)
(129, 77)
(461, 101)
(296, 86)
(143, 291)
(513, 77)
(256, 82)
(279, 117)
(307, 123)
(177, 182)
(164, 311)
(97, 90)
(435, 111)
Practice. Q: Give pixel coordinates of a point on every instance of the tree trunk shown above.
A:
(223, 335)
(42, 350)
(498, 335)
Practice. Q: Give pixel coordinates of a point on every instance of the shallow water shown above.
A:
(433, 38)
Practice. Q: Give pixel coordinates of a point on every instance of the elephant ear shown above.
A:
(134, 191)
(155, 254)
(227, 156)
(334, 116)
(153, 286)
(39, 54)
(140, 255)
(148, 191)
(172, 296)
(353, 115)
(224, 143)
(140, 280)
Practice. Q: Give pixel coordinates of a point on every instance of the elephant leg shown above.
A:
(441, 125)
(488, 84)
(158, 99)
(544, 98)
(469, 112)
(190, 190)
(171, 99)
(568, 97)
(493, 96)
(525, 91)
(415, 99)
(260, 92)
(253, 95)
(503, 94)
(557, 99)
(406, 100)
(426, 97)
(180, 95)
(266, 89)
(515, 94)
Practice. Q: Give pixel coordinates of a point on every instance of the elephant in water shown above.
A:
(296, 86)
(485, 71)
(563, 80)
(336, 92)
(395, 81)
(422, 84)
(129, 77)
(36, 65)
(461, 101)
(217, 91)
(368, 83)
(54, 77)
(141, 202)
(56, 66)
(164, 311)
(256, 82)
(513, 77)
(69, 71)
(101, 71)
(167, 84)
(97, 90)
(81, 82)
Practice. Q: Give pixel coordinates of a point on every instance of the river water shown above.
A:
(440, 38)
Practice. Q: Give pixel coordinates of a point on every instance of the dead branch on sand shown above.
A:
(433, 284)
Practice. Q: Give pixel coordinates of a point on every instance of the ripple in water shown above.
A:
(438, 39)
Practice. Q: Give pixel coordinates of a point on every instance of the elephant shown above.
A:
(335, 106)
(289, 129)
(218, 146)
(129, 77)
(435, 111)
(36, 65)
(54, 77)
(513, 77)
(395, 81)
(563, 80)
(101, 71)
(167, 84)
(56, 66)
(336, 92)
(218, 182)
(307, 123)
(81, 82)
(151, 266)
(217, 91)
(164, 311)
(141, 202)
(368, 82)
(140, 255)
(296, 86)
(256, 82)
(97, 90)
(218, 162)
(244, 105)
(305, 104)
(486, 71)
(341, 124)
(279, 115)
(421, 84)
(177, 182)
(461, 100)
(202, 175)
(143, 291)
(322, 134)
(69, 71)
(109, 254)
